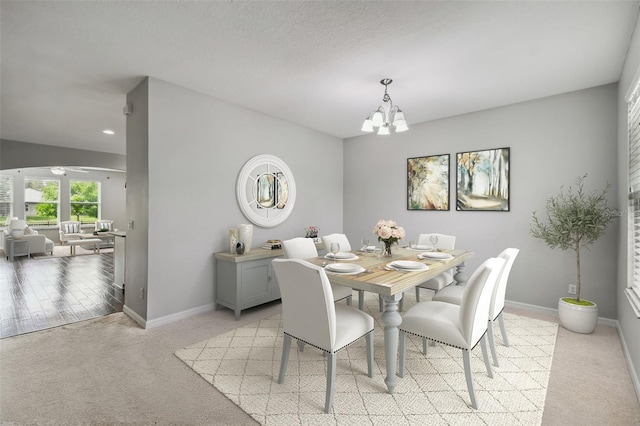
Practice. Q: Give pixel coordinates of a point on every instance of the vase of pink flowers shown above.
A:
(389, 233)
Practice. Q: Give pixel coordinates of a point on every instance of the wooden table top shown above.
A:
(379, 280)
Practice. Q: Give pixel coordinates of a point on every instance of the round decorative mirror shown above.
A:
(266, 190)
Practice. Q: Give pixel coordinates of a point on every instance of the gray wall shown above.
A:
(196, 148)
(136, 241)
(553, 140)
(629, 323)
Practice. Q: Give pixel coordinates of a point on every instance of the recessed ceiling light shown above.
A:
(108, 132)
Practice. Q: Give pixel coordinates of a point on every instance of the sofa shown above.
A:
(37, 243)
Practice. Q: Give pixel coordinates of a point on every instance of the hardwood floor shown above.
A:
(46, 292)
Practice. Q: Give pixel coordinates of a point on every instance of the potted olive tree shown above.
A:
(575, 220)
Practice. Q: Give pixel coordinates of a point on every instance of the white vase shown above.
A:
(245, 236)
(576, 318)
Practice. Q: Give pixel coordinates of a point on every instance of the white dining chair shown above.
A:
(453, 294)
(305, 248)
(309, 315)
(460, 326)
(445, 242)
(344, 246)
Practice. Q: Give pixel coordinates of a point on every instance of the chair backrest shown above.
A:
(336, 238)
(497, 300)
(70, 227)
(474, 308)
(445, 242)
(299, 248)
(308, 312)
(104, 224)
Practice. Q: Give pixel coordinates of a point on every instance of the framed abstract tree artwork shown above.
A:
(428, 183)
(482, 181)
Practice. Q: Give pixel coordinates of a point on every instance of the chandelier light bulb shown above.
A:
(367, 126)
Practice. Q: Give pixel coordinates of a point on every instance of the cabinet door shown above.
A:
(255, 283)
(275, 288)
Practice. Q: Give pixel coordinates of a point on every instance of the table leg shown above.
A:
(460, 276)
(391, 319)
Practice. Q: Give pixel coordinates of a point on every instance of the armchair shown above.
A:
(104, 224)
(70, 230)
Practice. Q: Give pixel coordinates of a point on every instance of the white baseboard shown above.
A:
(180, 315)
(134, 316)
(632, 371)
(551, 311)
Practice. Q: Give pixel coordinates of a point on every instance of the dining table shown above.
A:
(378, 275)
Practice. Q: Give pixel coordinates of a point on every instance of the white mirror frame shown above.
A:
(247, 199)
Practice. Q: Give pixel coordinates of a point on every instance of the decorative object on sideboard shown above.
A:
(272, 245)
(240, 248)
(575, 220)
(311, 232)
(245, 236)
(384, 119)
(233, 240)
(389, 233)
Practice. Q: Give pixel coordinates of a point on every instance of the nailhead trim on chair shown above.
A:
(324, 350)
(443, 343)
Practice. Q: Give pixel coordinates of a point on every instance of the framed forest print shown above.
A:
(428, 183)
(482, 182)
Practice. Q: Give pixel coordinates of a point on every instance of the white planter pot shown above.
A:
(576, 318)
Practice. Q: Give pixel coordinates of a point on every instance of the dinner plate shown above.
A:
(435, 255)
(341, 255)
(344, 268)
(407, 265)
(420, 247)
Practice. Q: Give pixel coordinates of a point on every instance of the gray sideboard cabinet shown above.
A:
(244, 281)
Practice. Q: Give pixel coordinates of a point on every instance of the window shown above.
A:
(633, 291)
(6, 198)
(41, 201)
(85, 200)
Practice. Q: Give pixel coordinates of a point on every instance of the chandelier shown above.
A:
(383, 119)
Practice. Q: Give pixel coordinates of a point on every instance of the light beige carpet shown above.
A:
(244, 363)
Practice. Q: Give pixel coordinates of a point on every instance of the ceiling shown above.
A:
(66, 67)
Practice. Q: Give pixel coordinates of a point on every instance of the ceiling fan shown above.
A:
(62, 170)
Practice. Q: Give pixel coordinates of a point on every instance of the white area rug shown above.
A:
(244, 364)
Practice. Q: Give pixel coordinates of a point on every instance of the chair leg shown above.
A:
(402, 356)
(361, 300)
(300, 346)
(417, 294)
(468, 374)
(369, 340)
(492, 344)
(485, 356)
(286, 347)
(331, 379)
(349, 300)
(503, 330)
(381, 303)
(401, 304)
(424, 345)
